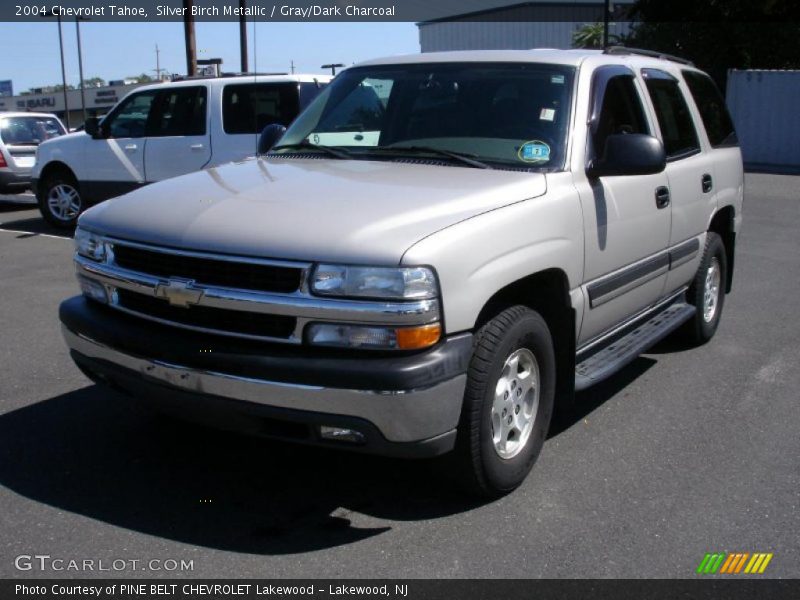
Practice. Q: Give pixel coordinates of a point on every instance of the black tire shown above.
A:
(480, 467)
(67, 219)
(700, 328)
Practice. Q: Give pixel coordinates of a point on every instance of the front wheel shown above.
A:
(508, 402)
(60, 201)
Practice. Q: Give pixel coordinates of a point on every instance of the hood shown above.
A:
(309, 209)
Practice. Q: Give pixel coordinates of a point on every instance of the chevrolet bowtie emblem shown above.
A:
(179, 292)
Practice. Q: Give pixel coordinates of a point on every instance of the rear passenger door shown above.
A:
(247, 108)
(178, 141)
(689, 171)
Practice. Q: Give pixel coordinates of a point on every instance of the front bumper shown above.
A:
(406, 405)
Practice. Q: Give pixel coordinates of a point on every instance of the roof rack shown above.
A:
(650, 53)
(222, 76)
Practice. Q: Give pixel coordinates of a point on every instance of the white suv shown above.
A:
(161, 131)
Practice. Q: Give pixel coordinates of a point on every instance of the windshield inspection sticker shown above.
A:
(547, 114)
(534, 151)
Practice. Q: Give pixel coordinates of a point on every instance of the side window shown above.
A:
(179, 111)
(249, 107)
(672, 112)
(130, 119)
(709, 101)
(309, 91)
(621, 112)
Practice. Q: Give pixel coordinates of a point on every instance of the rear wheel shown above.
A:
(60, 200)
(508, 402)
(707, 291)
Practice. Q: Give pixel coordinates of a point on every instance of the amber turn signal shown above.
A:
(414, 338)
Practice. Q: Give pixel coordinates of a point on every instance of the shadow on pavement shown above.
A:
(94, 453)
(12, 204)
(589, 400)
(35, 225)
(99, 454)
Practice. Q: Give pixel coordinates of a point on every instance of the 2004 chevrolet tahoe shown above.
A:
(439, 249)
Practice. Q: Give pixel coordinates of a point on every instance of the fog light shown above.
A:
(93, 289)
(341, 434)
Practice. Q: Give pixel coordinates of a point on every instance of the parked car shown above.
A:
(501, 229)
(20, 135)
(164, 130)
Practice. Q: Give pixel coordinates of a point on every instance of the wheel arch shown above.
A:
(53, 167)
(546, 292)
(722, 223)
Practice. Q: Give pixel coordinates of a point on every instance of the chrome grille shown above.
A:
(229, 322)
(209, 271)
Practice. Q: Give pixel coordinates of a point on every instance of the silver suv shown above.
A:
(439, 250)
(20, 136)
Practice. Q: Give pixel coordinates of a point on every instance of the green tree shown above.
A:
(590, 35)
(719, 35)
(143, 78)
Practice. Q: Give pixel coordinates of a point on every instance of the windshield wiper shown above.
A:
(467, 159)
(306, 145)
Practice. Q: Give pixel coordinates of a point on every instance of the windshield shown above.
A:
(508, 114)
(29, 131)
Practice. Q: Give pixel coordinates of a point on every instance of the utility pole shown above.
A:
(45, 15)
(158, 68)
(606, 16)
(243, 35)
(63, 72)
(188, 32)
(292, 66)
(80, 63)
(332, 67)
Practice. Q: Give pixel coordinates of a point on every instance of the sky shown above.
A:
(119, 50)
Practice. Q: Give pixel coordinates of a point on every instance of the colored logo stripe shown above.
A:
(733, 563)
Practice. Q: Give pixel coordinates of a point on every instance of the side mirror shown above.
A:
(92, 126)
(629, 154)
(269, 137)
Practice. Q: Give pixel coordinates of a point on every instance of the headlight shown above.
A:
(89, 245)
(373, 338)
(402, 283)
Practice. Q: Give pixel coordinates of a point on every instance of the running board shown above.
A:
(620, 351)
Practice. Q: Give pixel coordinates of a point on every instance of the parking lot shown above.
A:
(686, 451)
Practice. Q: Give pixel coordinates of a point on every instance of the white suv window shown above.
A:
(130, 119)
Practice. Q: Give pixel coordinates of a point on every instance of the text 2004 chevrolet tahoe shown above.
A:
(440, 248)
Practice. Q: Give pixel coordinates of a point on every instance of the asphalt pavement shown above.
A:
(687, 451)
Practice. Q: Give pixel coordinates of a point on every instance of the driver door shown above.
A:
(626, 229)
(114, 162)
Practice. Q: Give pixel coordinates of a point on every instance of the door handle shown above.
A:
(196, 147)
(662, 197)
(131, 147)
(707, 182)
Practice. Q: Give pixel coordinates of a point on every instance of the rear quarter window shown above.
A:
(716, 119)
(250, 107)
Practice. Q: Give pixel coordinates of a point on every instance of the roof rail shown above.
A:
(222, 76)
(651, 53)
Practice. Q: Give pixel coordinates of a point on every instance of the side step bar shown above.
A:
(623, 349)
